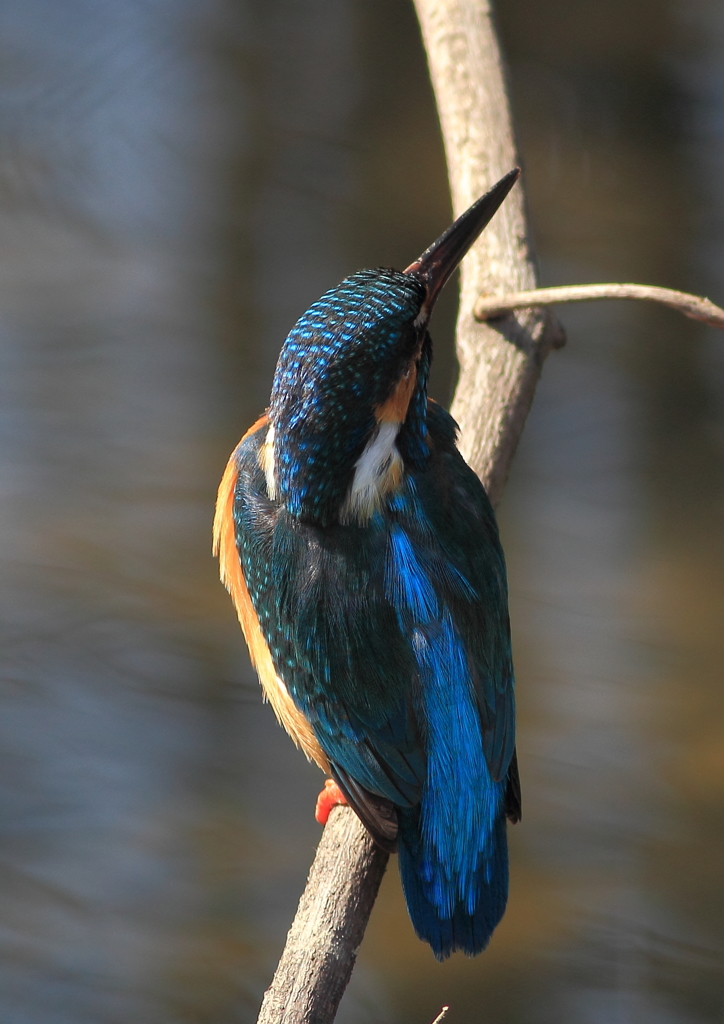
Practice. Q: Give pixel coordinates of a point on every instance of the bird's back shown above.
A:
(392, 639)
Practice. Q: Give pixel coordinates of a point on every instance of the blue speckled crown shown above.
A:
(340, 360)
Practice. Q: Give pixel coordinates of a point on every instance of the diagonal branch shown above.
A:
(499, 365)
(499, 369)
(329, 925)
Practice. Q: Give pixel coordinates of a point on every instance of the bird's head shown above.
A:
(349, 399)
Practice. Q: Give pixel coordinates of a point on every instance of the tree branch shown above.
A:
(499, 365)
(499, 368)
(330, 922)
(488, 307)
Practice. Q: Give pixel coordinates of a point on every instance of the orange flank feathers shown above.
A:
(232, 576)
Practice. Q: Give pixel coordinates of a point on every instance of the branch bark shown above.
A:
(499, 364)
(499, 368)
(329, 925)
(694, 306)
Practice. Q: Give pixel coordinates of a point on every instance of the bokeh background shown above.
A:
(178, 180)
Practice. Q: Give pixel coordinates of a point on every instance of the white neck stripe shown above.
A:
(375, 471)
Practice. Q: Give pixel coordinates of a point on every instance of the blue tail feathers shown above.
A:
(467, 928)
(452, 846)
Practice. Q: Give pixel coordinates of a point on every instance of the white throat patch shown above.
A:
(378, 470)
(266, 461)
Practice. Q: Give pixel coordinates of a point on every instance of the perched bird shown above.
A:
(362, 555)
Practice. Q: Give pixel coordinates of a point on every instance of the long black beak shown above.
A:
(438, 263)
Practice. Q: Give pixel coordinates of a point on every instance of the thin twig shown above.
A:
(696, 308)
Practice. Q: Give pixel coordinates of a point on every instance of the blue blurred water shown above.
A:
(177, 182)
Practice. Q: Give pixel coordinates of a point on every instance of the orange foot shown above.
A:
(330, 796)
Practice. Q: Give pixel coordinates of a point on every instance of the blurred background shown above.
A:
(178, 180)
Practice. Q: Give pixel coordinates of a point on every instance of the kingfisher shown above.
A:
(363, 558)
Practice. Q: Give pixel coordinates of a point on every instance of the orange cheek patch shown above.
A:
(394, 409)
(232, 576)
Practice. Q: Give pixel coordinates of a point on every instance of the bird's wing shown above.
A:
(319, 595)
(468, 565)
(353, 673)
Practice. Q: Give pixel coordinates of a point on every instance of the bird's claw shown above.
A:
(330, 796)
